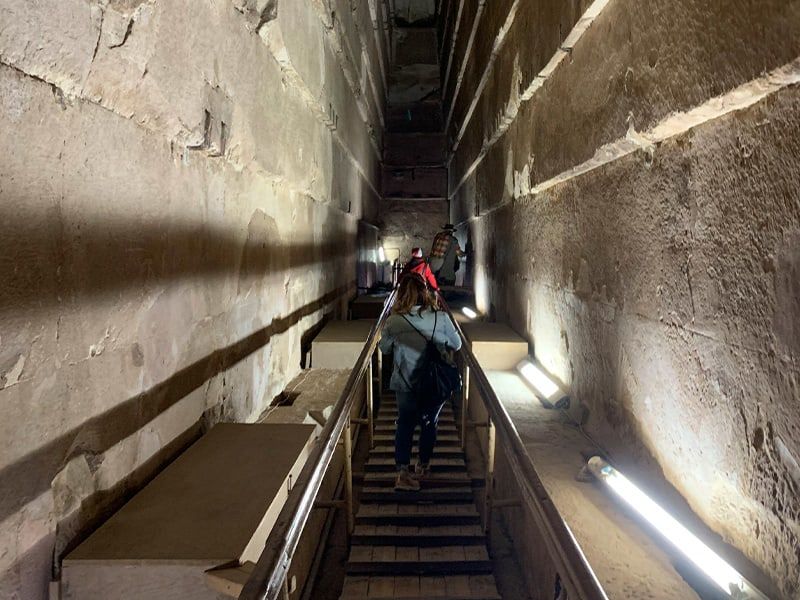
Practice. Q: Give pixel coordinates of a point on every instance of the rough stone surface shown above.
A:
(180, 190)
(661, 286)
(410, 223)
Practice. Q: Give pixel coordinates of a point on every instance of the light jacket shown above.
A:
(422, 268)
(399, 337)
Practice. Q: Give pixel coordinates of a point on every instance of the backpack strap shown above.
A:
(428, 341)
(435, 322)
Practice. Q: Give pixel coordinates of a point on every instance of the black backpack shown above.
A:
(436, 377)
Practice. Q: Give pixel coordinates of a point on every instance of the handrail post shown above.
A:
(380, 376)
(490, 452)
(348, 477)
(465, 408)
(370, 409)
(266, 580)
(286, 586)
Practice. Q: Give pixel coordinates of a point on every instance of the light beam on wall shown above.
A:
(547, 390)
(710, 563)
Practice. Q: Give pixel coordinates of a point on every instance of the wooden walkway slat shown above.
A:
(425, 545)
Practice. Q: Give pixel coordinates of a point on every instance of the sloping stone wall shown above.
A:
(181, 186)
(628, 174)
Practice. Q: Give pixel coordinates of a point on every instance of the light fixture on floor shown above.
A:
(547, 390)
(469, 312)
(710, 563)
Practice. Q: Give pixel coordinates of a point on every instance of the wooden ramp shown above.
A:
(418, 545)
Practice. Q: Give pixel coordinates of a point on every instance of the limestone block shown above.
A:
(495, 345)
(216, 503)
(257, 12)
(339, 344)
(66, 35)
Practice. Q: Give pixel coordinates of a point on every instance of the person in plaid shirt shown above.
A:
(444, 255)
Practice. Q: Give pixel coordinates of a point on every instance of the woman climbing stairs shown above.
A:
(412, 545)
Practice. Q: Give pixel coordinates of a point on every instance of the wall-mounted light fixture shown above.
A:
(381, 254)
(468, 312)
(710, 563)
(548, 391)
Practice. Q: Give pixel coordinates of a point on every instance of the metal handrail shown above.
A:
(268, 578)
(575, 572)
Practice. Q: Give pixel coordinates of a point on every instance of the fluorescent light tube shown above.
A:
(469, 312)
(541, 383)
(381, 254)
(724, 575)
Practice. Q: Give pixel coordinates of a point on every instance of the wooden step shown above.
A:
(418, 560)
(402, 567)
(421, 554)
(443, 429)
(391, 411)
(419, 519)
(391, 400)
(446, 439)
(443, 452)
(438, 464)
(452, 587)
(424, 545)
(391, 419)
(425, 495)
(391, 415)
(426, 536)
(392, 422)
(394, 509)
(445, 479)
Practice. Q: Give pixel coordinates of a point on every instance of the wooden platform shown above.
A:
(339, 344)
(214, 504)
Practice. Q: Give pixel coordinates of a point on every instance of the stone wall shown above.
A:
(181, 186)
(628, 172)
(410, 223)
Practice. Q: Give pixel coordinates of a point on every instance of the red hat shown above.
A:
(416, 252)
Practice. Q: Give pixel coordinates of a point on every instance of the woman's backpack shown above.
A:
(436, 377)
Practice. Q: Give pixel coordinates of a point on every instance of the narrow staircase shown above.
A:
(428, 544)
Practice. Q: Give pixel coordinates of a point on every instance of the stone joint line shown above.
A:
(566, 47)
(671, 127)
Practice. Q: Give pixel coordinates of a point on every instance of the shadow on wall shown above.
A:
(53, 260)
(51, 264)
(91, 514)
(29, 477)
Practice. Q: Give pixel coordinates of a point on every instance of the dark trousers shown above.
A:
(408, 418)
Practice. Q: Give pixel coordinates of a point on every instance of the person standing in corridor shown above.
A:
(420, 266)
(416, 319)
(445, 254)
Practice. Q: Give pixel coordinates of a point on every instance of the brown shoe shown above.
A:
(405, 482)
(422, 471)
